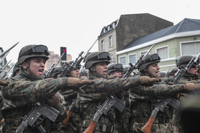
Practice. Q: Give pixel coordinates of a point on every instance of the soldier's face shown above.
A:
(101, 68)
(117, 73)
(36, 66)
(193, 70)
(83, 77)
(154, 69)
(75, 73)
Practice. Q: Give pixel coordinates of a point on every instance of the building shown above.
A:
(115, 36)
(69, 57)
(170, 43)
(53, 58)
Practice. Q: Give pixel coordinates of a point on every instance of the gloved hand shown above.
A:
(112, 76)
(170, 83)
(4, 82)
(76, 82)
(191, 87)
(147, 80)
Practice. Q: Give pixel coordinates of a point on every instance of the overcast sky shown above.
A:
(76, 24)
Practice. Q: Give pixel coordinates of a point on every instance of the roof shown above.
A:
(184, 26)
(108, 28)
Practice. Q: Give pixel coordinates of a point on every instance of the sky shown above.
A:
(76, 24)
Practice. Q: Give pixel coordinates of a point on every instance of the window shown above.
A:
(122, 60)
(102, 45)
(192, 48)
(163, 52)
(132, 58)
(142, 53)
(110, 41)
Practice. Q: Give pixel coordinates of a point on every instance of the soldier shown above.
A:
(142, 106)
(29, 87)
(83, 74)
(190, 76)
(115, 69)
(96, 94)
(125, 69)
(75, 71)
(56, 72)
(172, 73)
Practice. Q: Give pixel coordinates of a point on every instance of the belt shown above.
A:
(145, 119)
(99, 126)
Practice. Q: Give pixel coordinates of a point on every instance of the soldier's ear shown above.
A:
(24, 65)
(92, 68)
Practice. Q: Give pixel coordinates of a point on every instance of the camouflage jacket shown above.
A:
(187, 78)
(95, 96)
(73, 125)
(141, 107)
(21, 95)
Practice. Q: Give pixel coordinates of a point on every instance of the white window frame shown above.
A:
(186, 42)
(103, 48)
(156, 51)
(122, 57)
(132, 54)
(143, 51)
(111, 41)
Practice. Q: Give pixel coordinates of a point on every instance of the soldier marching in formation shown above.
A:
(102, 99)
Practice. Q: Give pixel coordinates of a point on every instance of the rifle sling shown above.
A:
(145, 119)
(99, 127)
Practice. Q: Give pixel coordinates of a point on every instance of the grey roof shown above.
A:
(184, 26)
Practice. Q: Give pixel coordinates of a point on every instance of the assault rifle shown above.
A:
(5, 75)
(162, 106)
(2, 59)
(49, 72)
(138, 63)
(68, 67)
(36, 116)
(105, 109)
(2, 54)
(69, 112)
(4, 67)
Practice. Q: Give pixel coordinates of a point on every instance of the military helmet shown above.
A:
(97, 57)
(71, 62)
(83, 73)
(15, 69)
(184, 60)
(30, 51)
(125, 69)
(114, 67)
(57, 70)
(172, 72)
(150, 59)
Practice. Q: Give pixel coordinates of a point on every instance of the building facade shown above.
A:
(115, 36)
(170, 43)
(53, 58)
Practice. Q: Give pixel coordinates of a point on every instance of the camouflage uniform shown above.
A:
(142, 105)
(27, 88)
(21, 95)
(187, 78)
(123, 118)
